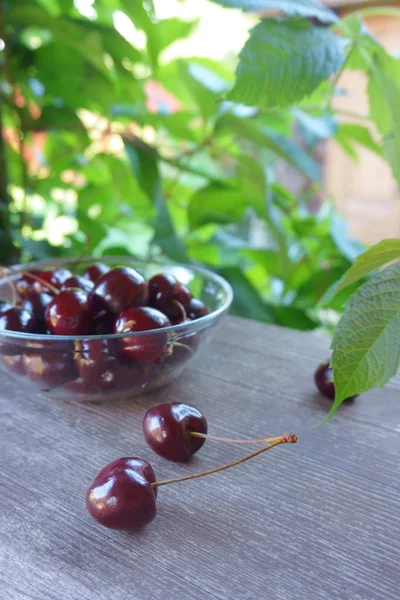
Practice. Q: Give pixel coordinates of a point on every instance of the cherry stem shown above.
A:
(180, 345)
(9, 270)
(288, 438)
(51, 287)
(181, 308)
(215, 438)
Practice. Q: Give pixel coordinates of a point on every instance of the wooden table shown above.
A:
(317, 520)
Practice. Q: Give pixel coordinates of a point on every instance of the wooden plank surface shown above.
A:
(320, 520)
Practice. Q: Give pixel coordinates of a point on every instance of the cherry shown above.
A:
(119, 289)
(169, 296)
(97, 367)
(56, 278)
(95, 271)
(4, 305)
(323, 378)
(145, 347)
(18, 319)
(50, 369)
(167, 428)
(36, 303)
(70, 313)
(24, 283)
(103, 323)
(15, 364)
(76, 281)
(196, 309)
(162, 284)
(121, 495)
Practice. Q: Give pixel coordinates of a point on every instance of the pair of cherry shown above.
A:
(123, 494)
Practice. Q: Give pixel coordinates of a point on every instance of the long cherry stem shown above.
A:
(214, 438)
(50, 286)
(288, 438)
(9, 270)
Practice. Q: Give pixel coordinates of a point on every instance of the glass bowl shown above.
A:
(49, 363)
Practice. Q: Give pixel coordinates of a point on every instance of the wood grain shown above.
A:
(320, 520)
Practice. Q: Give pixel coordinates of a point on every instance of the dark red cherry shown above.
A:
(18, 319)
(169, 296)
(56, 278)
(70, 313)
(94, 272)
(4, 305)
(119, 289)
(323, 378)
(49, 369)
(149, 347)
(121, 495)
(76, 281)
(98, 368)
(162, 284)
(24, 283)
(36, 303)
(196, 309)
(14, 364)
(167, 428)
(103, 323)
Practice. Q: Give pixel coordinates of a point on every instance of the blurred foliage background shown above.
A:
(116, 141)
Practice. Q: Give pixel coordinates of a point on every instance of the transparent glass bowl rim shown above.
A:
(187, 328)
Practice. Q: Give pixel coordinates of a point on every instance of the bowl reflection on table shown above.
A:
(89, 368)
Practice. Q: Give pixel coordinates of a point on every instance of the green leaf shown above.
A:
(171, 30)
(54, 118)
(375, 257)
(216, 204)
(313, 127)
(265, 137)
(65, 30)
(284, 61)
(292, 8)
(383, 89)
(349, 134)
(246, 300)
(385, 106)
(141, 19)
(366, 345)
(145, 166)
(204, 85)
(349, 247)
(295, 318)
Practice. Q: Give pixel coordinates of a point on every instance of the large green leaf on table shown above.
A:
(292, 8)
(246, 300)
(366, 345)
(216, 204)
(284, 61)
(70, 32)
(349, 134)
(375, 257)
(145, 166)
(265, 137)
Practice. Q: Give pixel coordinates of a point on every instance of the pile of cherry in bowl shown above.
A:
(114, 320)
